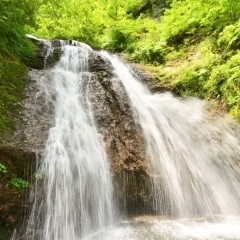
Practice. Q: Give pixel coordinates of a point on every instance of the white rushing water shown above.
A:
(193, 161)
(74, 198)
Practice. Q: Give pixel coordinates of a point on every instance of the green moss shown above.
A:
(11, 88)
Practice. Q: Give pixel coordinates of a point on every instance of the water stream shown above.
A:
(193, 163)
(74, 198)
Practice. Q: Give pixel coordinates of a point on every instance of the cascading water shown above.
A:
(193, 161)
(74, 198)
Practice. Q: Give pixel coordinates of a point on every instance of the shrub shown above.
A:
(149, 52)
(19, 183)
(224, 84)
(189, 18)
(3, 168)
(230, 37)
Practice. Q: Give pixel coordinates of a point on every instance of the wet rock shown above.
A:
(114, 118)
(36, 116)
(115, 122)
(112, 114)
(147, 77)
(43, 57)
(123, 143)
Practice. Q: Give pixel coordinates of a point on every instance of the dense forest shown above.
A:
(191, 46)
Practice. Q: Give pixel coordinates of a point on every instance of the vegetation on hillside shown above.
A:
(14, 50)
(192, 46)
(205, 38)
(14, 17)
(11, 88)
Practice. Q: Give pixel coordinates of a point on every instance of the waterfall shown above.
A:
(74, 192)
(193, 162)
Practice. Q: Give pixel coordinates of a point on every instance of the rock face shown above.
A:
(149, 79)
(13, 200)
(124, 145)
(114, 118)
(111, 109)
(42, 58)
(115, 122)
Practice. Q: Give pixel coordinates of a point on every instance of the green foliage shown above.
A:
(149, 52)
(181, 20)
(15, 48)
(224, 84)
(150, 31)
(71, 20)
(190, 82)
(148, 8)
(230, 38)
(11, 87)
(38, 176)
(14, 16)
(190, 78)
(121, 34)
(101, 24)
(196, 19)
(19, 183)
(203, 73)
(3, 168)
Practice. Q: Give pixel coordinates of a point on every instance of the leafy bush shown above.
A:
(181, 20)
(191, 81)
(224, 84)
(201, 18)
(192, 77)
(3, 168)
(19, 183)
(123, 33)
(117, 40)
(149, 52)
(14, 16)
(70, 20)
(230, 37)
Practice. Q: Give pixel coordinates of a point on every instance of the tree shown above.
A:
(14, 17)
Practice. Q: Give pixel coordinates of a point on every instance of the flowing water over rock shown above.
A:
(193, 161)
(75, 193)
